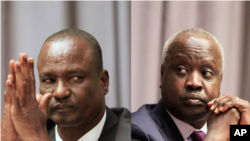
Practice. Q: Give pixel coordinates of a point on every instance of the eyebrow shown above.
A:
(71, 70)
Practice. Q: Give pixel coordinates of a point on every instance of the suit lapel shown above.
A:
(51, 129)
(167, 127)
(110, 127)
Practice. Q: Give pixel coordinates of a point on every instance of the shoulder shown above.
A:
(122, 113)
(117, 126)
(143, 112)
(143, 126)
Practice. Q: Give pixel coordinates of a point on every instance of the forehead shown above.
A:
(197, 46)
(66, 52)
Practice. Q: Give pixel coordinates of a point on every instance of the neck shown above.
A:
(70, 133)
(198, 124)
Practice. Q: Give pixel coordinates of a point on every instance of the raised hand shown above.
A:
(225, 102)
(8, 131)
(218, 125)
(28, 119)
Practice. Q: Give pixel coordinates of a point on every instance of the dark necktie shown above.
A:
(197, 136)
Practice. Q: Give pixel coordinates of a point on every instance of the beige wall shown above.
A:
(154, 22)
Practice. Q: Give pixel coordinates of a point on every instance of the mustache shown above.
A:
(194, 96)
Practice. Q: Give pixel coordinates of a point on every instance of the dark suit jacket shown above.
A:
(117, 126)
(153, 123)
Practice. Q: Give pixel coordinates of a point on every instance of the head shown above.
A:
(70, 67)
(191, 74)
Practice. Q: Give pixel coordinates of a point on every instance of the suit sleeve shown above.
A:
(137, 133)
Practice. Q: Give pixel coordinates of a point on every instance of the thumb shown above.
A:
(38, 97)
(210, 103)
(43, 102)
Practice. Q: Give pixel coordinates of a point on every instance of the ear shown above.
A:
(105, 81)
(221, 78)
(162, 73)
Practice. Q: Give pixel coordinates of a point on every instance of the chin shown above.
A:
(66, 121)
(195, 113)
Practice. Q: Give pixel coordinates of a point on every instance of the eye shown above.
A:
(48, 80)
(77, 78)
(182, 70)
(207, 74)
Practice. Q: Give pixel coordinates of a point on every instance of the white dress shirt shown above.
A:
(92, 135)
(185, 129)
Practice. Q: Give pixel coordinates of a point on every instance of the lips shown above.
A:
(193, 99)
(63, 108)
(193, 102)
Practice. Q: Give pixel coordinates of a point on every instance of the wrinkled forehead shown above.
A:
(66, 51)
(194, 46)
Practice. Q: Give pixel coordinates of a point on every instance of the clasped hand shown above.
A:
(225, 111)
(25, 112)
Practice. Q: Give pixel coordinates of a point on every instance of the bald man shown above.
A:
(73, 85)
(190, 108)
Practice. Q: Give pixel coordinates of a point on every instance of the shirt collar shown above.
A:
(92, 135)
(185, 129)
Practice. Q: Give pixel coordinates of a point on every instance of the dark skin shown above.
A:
(6, 122)
(224, 120)
(69, 72)
(72, 93)
(191, 78)
(225, 102)
(190, 86)
(27, 117)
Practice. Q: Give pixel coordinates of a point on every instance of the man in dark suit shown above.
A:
(73, 84)
(190, 108)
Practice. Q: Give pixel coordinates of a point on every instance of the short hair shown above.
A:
(80, 34)
(192, 31)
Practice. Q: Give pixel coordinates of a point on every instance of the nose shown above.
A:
(61, 90)
(194, 82)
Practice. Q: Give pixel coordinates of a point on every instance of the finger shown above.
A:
(25, 73)
(7, 100)
(32, 76)
(221, 102)
(24, 65)
(12, 70)
(216, 102)
(38, 98)
(21, 85)
(10, 94)
(6, 122)
(44, 103)
(210, 103)
(242, 105)
(226, 106)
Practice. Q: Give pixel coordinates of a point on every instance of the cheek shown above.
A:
(212, 90)
(87, 92)
(173, 87)
(82, 92)
(44, 89)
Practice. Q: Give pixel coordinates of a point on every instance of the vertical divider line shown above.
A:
(117, 60)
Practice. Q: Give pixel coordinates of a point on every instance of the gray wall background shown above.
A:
(152, 23)
(26, 25)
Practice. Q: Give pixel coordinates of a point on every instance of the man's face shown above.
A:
(191, 78)
(66, 68)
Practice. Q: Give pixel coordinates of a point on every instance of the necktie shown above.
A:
(197, 136)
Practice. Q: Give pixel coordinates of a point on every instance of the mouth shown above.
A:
(193, 100)
(63, 108)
